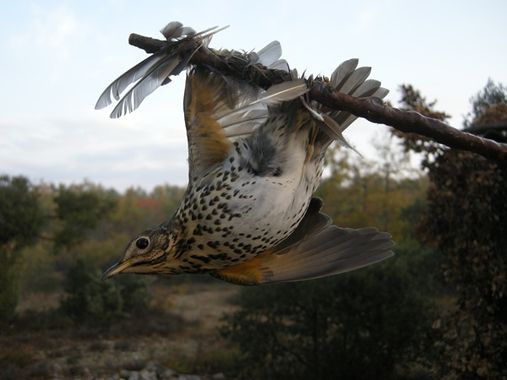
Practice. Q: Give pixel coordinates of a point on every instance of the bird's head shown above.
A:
(152, 251)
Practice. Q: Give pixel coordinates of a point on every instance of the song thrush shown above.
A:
(255, 159)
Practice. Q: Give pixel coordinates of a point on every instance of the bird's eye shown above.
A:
(142, 243)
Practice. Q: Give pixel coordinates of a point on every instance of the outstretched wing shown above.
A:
(315, 249)
(220, 109)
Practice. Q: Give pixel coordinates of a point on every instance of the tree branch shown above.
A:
(372, 109)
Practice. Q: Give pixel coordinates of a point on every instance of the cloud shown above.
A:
(55, 30)
(117, 156)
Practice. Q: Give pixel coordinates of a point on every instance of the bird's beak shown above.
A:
(117, 268)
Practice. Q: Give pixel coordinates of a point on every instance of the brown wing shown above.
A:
(315, 249)
(207, 143)
(219, 110)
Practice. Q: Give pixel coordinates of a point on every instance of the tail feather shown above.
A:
(355, 80)
(343, 71)
(269, 54)
(349, 80)
(367, 88)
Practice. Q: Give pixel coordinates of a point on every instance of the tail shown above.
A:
(348, 79)
(315, 249)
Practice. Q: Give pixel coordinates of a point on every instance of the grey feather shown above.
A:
(334, 130)
(343, 71)
(172, 30)
(175, 30)
(269, 54)
(348, 80)
(345, 118)
(367, 88)
(145, 86)
(331, 251)
(244, 128)
(313, 112)
(277, 93)
(123, 81)
(151, 72)
(282, 92)
(330, 127)
(355, 80)
(237, 117)
(380, 93)
(187, 31)
(212, 31)
(281, 64)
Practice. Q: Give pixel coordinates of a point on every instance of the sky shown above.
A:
(58, 56)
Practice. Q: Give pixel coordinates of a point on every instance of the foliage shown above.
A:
(486, 103)
(80, 209)
(466, 220)
(412, 100)
(92, 300)
(83, 220)
(21, 217)
(354, 326)
(467, 215)
(21, 220)
(9, 285)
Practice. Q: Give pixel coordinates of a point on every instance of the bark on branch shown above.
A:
(372, 109)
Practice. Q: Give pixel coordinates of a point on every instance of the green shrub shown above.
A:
(21, 219)
(9, 286)
(93, 300)
(354, 326)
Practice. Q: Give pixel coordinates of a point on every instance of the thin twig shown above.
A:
(372, 109)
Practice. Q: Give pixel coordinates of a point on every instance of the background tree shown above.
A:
(79, 209)
(21, 220)
(489, 106)
(466, 219)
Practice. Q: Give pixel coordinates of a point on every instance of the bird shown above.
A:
(249, 215)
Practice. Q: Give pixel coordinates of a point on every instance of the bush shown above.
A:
(9, 286)
(466, 219)
(93, 300)
(21, 219)
(354, 326)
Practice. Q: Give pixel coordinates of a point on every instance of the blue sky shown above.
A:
(57, 57)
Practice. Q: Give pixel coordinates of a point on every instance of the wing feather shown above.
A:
(315, 249)
(343, 71)
(355, 80)
(123, 81)
(152, 80)
(269, 54)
